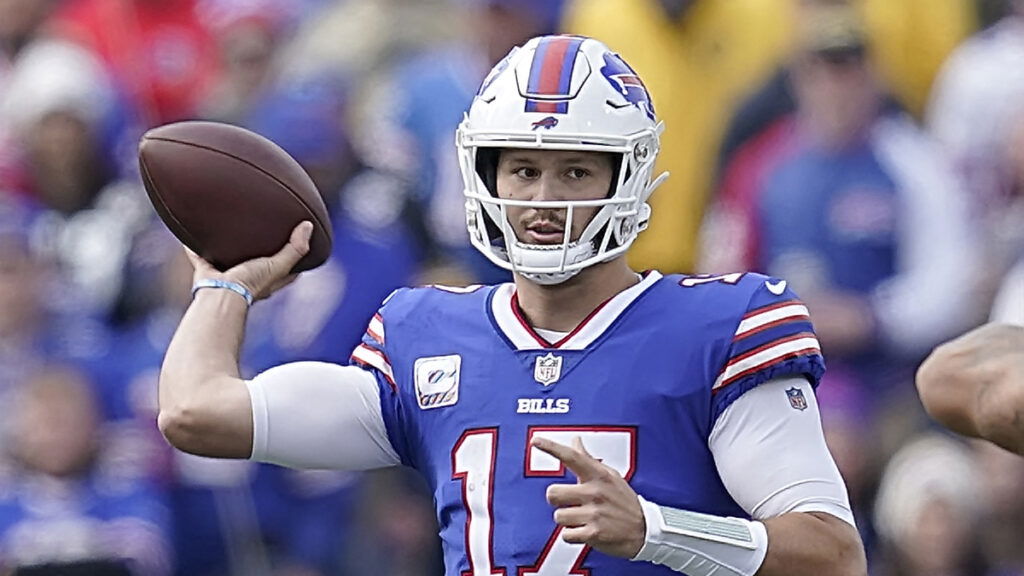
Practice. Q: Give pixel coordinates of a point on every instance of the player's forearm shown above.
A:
(204, 405)
(811, 544)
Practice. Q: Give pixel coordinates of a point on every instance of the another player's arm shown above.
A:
(205, 408)
(975, 385)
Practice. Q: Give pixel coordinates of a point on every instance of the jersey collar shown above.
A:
(508, 317)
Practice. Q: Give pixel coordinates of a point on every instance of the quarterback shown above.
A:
(584, 419)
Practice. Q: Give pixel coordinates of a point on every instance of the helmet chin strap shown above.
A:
(549, 256)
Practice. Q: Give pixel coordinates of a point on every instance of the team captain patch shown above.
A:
(437, 381)
(796, 399)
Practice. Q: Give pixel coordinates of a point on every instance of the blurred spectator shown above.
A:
(20, 21)
(59, 102)
(38, 319)
(159, 51)
(428, 95)
(977, 114)
(881, 220)
(928, 509)
(63, 506)
(249, 36)
(700, 56)
(375, 32)
(22, 278)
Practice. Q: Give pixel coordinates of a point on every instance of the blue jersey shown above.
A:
(848, 206)
(101, 516)
(465, 384)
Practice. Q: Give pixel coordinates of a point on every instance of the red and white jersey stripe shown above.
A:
(376, 329)
(771, 316)
(374, 358)
(764, 356)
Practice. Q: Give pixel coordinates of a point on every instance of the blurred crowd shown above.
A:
(871, 152)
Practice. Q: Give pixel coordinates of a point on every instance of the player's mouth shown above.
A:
(544, 232)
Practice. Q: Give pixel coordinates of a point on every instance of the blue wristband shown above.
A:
(233, 286)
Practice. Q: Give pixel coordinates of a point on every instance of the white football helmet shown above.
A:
(560, 93)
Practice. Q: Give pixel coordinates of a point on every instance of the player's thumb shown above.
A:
(296, 248)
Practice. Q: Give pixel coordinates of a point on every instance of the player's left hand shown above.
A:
(601, 509)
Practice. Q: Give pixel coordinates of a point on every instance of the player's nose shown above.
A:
(547, 189)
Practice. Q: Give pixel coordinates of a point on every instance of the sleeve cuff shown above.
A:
(259, 420)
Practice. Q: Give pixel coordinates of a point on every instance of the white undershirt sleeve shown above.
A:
(319, 415)
(772, 456)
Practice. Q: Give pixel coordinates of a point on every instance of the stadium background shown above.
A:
(871, 153)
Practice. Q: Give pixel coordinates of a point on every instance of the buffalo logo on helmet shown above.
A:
(625, 81)
(547, 123)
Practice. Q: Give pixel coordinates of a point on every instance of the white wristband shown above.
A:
(702, 544)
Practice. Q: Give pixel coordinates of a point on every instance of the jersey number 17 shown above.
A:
(473, 462)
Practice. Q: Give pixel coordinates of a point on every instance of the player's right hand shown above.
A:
(262, 276)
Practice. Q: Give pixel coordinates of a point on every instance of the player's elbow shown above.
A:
(850, 556)
(839, 550)
(180, 426)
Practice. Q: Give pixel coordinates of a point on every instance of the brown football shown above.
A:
(230, 194)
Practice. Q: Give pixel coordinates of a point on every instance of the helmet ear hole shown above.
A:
(487, 168)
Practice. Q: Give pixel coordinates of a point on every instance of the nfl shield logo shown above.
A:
(548, 369)
(796, 399)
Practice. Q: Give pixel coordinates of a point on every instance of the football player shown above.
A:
(585, 418)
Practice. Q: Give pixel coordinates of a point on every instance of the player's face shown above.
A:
(552, 175)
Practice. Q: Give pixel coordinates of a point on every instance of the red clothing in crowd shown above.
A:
(159, 51)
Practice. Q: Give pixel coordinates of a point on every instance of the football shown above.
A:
(229, 194)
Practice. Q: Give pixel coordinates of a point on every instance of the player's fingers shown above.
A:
(579, 534)
(571, 517)
(559, 495)
(583, 465)
(577, 443)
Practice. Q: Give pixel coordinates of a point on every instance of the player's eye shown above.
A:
(577, 173)
(526, 172)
